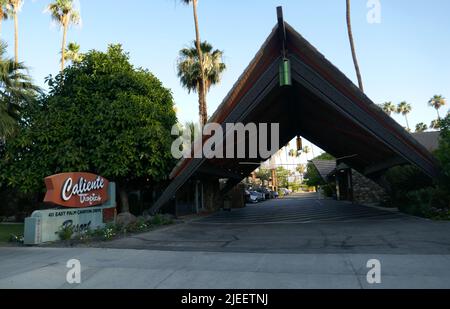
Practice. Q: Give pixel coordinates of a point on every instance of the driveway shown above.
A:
(300, 224)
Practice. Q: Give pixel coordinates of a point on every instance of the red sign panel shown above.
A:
(76, 190)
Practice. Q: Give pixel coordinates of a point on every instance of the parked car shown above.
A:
(284, 191)
(251, 197)
(274, 194)
(265, 192)
(260, 196)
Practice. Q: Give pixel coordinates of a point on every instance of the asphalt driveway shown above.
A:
(300, 224)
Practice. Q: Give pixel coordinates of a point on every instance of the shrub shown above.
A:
(157, 220)
(18, 239)
(418, 203)
(65, 233)
(443, 154)
(329, 190)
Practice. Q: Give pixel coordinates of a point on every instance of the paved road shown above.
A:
(293, 243)
(43, 268)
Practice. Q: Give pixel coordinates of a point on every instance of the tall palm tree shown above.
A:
(306, 151)
(15, 7)
(421, 127)
(189, 71)
(301, 168)
(16, 89)
(437, 102)
(73, 54)
(388, 108)
(405, 108)
(64, 13)
(5, 11)
(352, 45)
(202, 89)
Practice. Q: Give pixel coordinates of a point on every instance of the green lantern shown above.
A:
(285, 73)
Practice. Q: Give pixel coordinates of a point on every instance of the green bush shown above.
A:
(443, 153)
(407, 178)
(18, 239)
(329, 190)
(418, 203)
(66, 233)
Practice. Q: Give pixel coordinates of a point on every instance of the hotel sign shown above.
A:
(76, 190)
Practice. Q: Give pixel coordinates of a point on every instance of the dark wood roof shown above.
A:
(322, 105)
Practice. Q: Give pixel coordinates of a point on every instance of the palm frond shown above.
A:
(189, 70)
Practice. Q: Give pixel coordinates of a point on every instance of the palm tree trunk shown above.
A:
(63, 51)
(202, 89)
(439, 116)
(352, 45)
(407, 123)
(16, 36)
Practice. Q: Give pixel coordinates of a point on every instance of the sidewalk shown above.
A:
(119, 268)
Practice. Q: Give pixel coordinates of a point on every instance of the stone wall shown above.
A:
(366, 191)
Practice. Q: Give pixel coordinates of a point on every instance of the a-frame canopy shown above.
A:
(321, 104)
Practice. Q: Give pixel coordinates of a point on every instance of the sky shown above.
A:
(403, 58)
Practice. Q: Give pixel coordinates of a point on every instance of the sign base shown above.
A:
(43, 225)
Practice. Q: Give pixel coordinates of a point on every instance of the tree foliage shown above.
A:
(443, 152)
(16, 91)
(264, 174)
(102, 116)
(282, 177)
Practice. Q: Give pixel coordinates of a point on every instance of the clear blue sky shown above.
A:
(403, 58)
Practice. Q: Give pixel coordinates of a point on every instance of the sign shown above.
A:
(76, 190)
(44, 225)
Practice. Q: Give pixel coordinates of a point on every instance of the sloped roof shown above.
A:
(430, 140)
(324, 167)
(322, 105)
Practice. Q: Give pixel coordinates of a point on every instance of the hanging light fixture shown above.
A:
(299, 144)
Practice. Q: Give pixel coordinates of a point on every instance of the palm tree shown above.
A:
(189, 72)
(306, 151)
(15, 7)
(202, 85)
(292, 153)
(73, 54)
(421, 127)
(435, 124)
(301, 168)
(437, 102)
(352, 46)
(64, 13)
(404, 108)
(388, 108)
(16, 89)
(5, 12)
